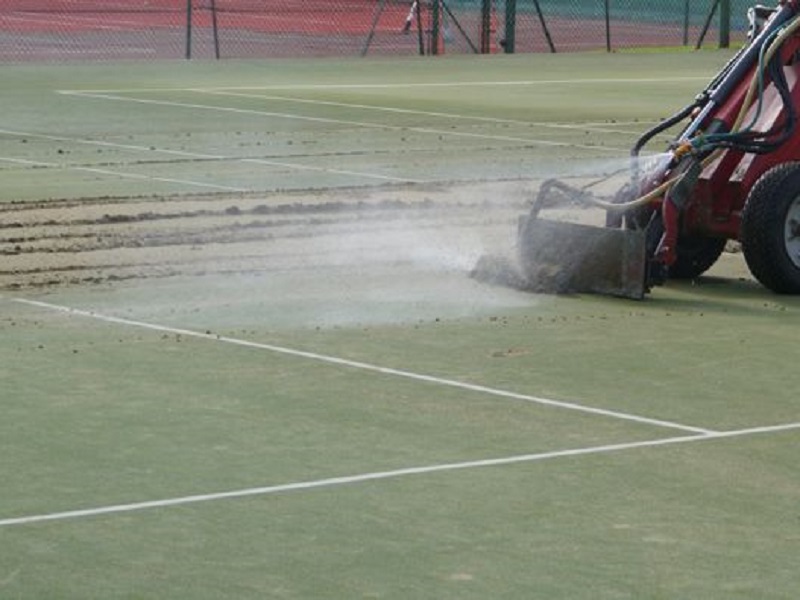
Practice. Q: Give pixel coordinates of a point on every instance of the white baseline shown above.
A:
(348, 122)
(120, 174)
(370, 367)
(595, 127)
(390, 86)
(186, 154)
(379, 475)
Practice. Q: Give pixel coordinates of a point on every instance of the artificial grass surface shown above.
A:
(100, 413)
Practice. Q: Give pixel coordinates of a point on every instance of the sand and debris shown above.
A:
(80, 241)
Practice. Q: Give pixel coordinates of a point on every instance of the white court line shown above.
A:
(360, 124)
(38, 163)
(380, 475)
(411, 111)
(198, 155)
(384, 86)
(370, 367)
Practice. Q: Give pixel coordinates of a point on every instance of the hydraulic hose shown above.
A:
(728, 84)
(662, 126)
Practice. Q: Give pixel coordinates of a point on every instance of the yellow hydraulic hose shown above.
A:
(782, 36)
(647, 198)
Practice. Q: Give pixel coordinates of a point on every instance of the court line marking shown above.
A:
(238, 91)
(389, 85)
(199, 155)
(38, 163)
(361, 124)
(370, 367)
(381, 475)
(598, 128)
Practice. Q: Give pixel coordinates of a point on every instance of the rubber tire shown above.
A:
(763, 234)
(696, 255)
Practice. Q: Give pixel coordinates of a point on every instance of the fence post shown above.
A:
(188, 29)
(433, 42)
(707, 24)
(725, 24)
(417, 8)
(686, 23)
(510, 34)
(543, 23)
(215, 28)
(486, 26)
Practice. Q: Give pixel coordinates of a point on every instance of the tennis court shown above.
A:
(241, 355)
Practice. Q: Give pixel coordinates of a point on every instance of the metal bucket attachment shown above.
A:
(564, 257)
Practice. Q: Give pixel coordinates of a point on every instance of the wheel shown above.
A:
(770, 231)
(696, 255)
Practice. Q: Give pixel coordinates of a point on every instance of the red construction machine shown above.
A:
(733, 173)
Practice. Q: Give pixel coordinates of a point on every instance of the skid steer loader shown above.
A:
(732, 173)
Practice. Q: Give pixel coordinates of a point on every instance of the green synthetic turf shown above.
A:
(158, 129)
(97, 413)
(103, 414)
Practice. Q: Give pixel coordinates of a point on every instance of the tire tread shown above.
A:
(762, 220)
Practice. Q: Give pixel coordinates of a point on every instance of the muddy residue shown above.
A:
(54, 242)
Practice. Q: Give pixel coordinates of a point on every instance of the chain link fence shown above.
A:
(54, 30)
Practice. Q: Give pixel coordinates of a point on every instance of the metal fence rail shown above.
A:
(53, 30)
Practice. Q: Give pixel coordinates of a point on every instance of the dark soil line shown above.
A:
(233, 234)
(361, 191)
(356, 208)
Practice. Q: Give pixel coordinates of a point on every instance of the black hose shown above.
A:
(724, 81)
(702, 98)
(662, 126)
(764, 142)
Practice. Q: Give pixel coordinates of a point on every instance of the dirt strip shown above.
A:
(96, 240)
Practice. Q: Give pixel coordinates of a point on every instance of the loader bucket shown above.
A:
(564, 257)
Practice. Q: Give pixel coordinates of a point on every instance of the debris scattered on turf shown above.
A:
(499, 270)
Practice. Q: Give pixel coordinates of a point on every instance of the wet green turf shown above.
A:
(100, 413)
(182, 127)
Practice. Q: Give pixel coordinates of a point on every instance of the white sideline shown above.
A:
(364, 124)
(198, 155)
(375, 476)
(404, 85)
(38, 163)
(370, 367)
(595, 127)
